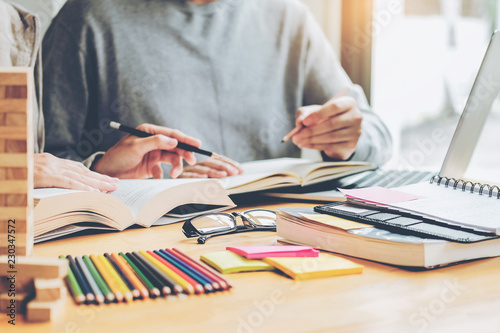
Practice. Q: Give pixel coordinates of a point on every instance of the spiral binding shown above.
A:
(449, 181)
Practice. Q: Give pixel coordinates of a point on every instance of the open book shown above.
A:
(282, 172)
(141, 202)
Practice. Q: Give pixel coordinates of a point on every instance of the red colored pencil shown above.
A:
(213, 281)
(223, 282)
(197, 286)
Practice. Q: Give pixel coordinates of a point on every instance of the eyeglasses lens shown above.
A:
(213, 223)
(261, 217)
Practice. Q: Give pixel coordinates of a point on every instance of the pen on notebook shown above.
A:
(298, 128)
(142, 134)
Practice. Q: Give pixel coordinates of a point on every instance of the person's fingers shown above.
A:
(211, 173)
(340, 122)
(176, 162)
(192, 175)
(231, 162)
(330, 109)
(157, 171)
(172, 133)
(221, 165)
(189, 157)
(341, 150)
(343, 135)
(303, 112)
(142, 146)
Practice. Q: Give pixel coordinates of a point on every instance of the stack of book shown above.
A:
(304, 226)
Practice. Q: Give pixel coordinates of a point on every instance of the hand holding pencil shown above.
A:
(334, 127)
(137, 157)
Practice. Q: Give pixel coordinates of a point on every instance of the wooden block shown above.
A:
(20, 250)
(49, 290)
(42, 268)
(14, 174)
(19, 284)
(13, 76)
(16, 146)
(44, 311)
(14, 160)
(13, 132)
(14, 187)
(11, 213)
(20, 301)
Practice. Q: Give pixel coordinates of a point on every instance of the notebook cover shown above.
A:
(228, 262)
(322, 266)
(259, 252)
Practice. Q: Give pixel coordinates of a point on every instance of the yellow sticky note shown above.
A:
(229, 262)
(335, 221)
(307, 268)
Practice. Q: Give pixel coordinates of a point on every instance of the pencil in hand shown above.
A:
(299, 127)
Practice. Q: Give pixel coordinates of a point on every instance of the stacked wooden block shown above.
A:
(16, 161)
(33, 286)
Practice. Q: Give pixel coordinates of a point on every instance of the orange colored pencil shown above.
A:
(131, 275)
(188, 288)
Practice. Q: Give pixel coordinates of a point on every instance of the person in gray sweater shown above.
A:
(236, 74)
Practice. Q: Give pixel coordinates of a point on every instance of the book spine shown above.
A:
(466, 185)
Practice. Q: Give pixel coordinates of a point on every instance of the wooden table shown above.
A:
(461, 298)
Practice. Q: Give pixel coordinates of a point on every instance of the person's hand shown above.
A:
(136, 158)
(50, 171)
(333, 128)
(212, 168)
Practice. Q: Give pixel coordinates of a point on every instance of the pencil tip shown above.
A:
(282, 141)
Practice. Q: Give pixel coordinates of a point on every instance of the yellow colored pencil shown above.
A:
(183, 283)
(112, 283)
(127, 293)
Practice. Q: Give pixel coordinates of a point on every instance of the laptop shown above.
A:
(460, 151)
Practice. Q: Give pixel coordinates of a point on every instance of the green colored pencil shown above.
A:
(152, 289)
(98, 279)
(73, 285)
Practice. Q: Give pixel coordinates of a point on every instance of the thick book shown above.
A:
(374, 244)
(144, 203)
(286, 172)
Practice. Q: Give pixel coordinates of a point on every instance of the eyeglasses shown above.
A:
(215, 224)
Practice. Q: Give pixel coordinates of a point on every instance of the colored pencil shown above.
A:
(195, 275)
(158, 272)
(112, 283)
(143, 291)
(99, 297)
(98, 279)
(223, 282)
(213, 281)
(127, 293)
(164, 286)
(81, 280)
(153, 291)
(197, 287)
(125, 278)
(73, 285)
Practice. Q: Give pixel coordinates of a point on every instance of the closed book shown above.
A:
(378, 245)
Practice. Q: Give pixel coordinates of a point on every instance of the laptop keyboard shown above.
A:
(386, 178)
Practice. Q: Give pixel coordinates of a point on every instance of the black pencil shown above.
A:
(84, 284)
(164, 287)
(142, 134)
(176, 288)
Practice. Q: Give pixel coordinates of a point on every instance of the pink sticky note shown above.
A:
(259, 252)
(379, 195)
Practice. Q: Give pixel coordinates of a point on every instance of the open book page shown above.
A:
(453, 206)
(273, 173)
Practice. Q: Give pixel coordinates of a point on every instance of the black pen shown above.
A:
(142, 134)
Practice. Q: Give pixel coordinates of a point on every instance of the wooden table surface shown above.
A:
(461, 298)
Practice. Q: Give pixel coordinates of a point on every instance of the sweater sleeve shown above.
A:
(65, 94)
(324, 77)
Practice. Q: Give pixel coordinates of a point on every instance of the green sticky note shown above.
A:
(229, 262)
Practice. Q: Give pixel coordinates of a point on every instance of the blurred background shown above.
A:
(415, 59)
